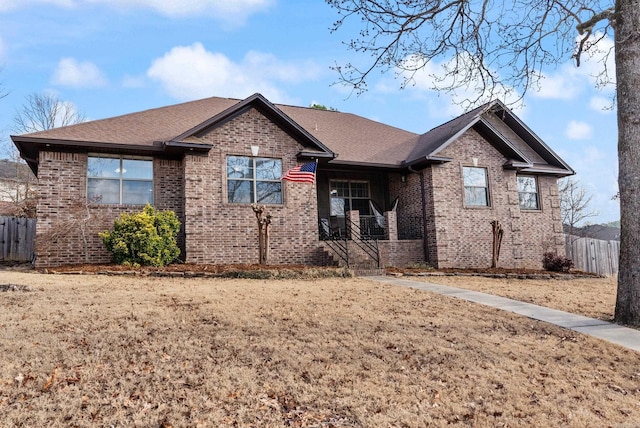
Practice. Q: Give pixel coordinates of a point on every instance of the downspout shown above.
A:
(425, 245)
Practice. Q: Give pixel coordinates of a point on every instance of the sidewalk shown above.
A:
(614, 333)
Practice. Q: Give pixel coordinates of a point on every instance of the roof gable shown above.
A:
(268, 109)
(502, 129)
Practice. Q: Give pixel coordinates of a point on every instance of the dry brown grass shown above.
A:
(120, 351)
(591, 297)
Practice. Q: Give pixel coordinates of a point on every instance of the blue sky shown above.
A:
(111, 57)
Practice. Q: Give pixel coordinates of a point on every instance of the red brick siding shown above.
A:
(464, 235)
(62, 188)
(401, 253)
(220, 232)
(409, 194)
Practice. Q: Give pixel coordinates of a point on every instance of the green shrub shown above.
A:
(144, 238)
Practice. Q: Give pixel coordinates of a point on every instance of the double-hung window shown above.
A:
(528, 193)
(476, 186)
(252, 180)
(119, 180)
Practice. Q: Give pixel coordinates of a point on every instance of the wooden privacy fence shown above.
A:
(18, 236)
(593, 255)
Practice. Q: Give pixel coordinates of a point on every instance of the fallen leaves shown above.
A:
(49, 383)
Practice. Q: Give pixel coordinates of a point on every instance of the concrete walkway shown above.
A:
(614, 333)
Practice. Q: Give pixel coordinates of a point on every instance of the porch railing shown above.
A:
(338, 240)
(370, 228)
(334, 240)
(364, 242)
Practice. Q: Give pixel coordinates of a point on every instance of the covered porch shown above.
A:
(366, 216)
(362, 203)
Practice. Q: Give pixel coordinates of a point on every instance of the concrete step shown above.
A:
(358, 259)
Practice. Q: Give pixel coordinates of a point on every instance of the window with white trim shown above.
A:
(476, 186)
(528, 192)
(119, 180)
(252, 180)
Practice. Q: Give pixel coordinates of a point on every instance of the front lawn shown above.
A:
(94, 350)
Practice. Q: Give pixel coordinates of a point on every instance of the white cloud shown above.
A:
(578, 130)
(6, 5)
(603, 105)
(71, 72)
(232, 12)
(597, 70)
(433, 76)
(566, 84)
(225, 9)
(192, 72)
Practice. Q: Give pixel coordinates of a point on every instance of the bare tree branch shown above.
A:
(41, 112)
(501, 45)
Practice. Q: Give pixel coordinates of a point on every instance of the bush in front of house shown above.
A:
(148, 237)
(555, 263)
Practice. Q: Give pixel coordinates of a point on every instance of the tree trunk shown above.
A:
(627, 54)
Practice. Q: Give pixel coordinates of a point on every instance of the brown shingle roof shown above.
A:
(353, 139)
(141, 128)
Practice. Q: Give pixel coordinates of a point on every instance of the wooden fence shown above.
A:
(593, 255)
(17, 238)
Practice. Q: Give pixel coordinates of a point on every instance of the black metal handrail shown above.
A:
(337, 243)
(362, 241)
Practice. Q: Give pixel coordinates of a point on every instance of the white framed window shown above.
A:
(349, 195)
(528, 192)
(119, 180)
(252, 180)
(476, 186)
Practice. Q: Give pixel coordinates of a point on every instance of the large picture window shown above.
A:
(119, 180)
(252, 180)
(528, 193)
(476, 186)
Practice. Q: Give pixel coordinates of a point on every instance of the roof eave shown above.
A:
(558, 172)
(185, 146)
(513, 164)
(311, 154)
(425, 161)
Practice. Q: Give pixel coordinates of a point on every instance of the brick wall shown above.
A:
(464, 234)
(401, 253)
(220, 232)
(67, 229)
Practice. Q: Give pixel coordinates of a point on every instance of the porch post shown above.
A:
(353, 224)
(391, 231)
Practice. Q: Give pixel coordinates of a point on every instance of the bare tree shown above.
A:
(504, 46)
(574, 203)
(574, 207)
(79, 219)
(41, 112)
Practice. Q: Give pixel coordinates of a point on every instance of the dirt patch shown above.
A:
(92, 350)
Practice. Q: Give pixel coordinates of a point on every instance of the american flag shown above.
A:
(305, 173)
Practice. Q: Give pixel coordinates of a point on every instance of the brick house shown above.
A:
(419, 198)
